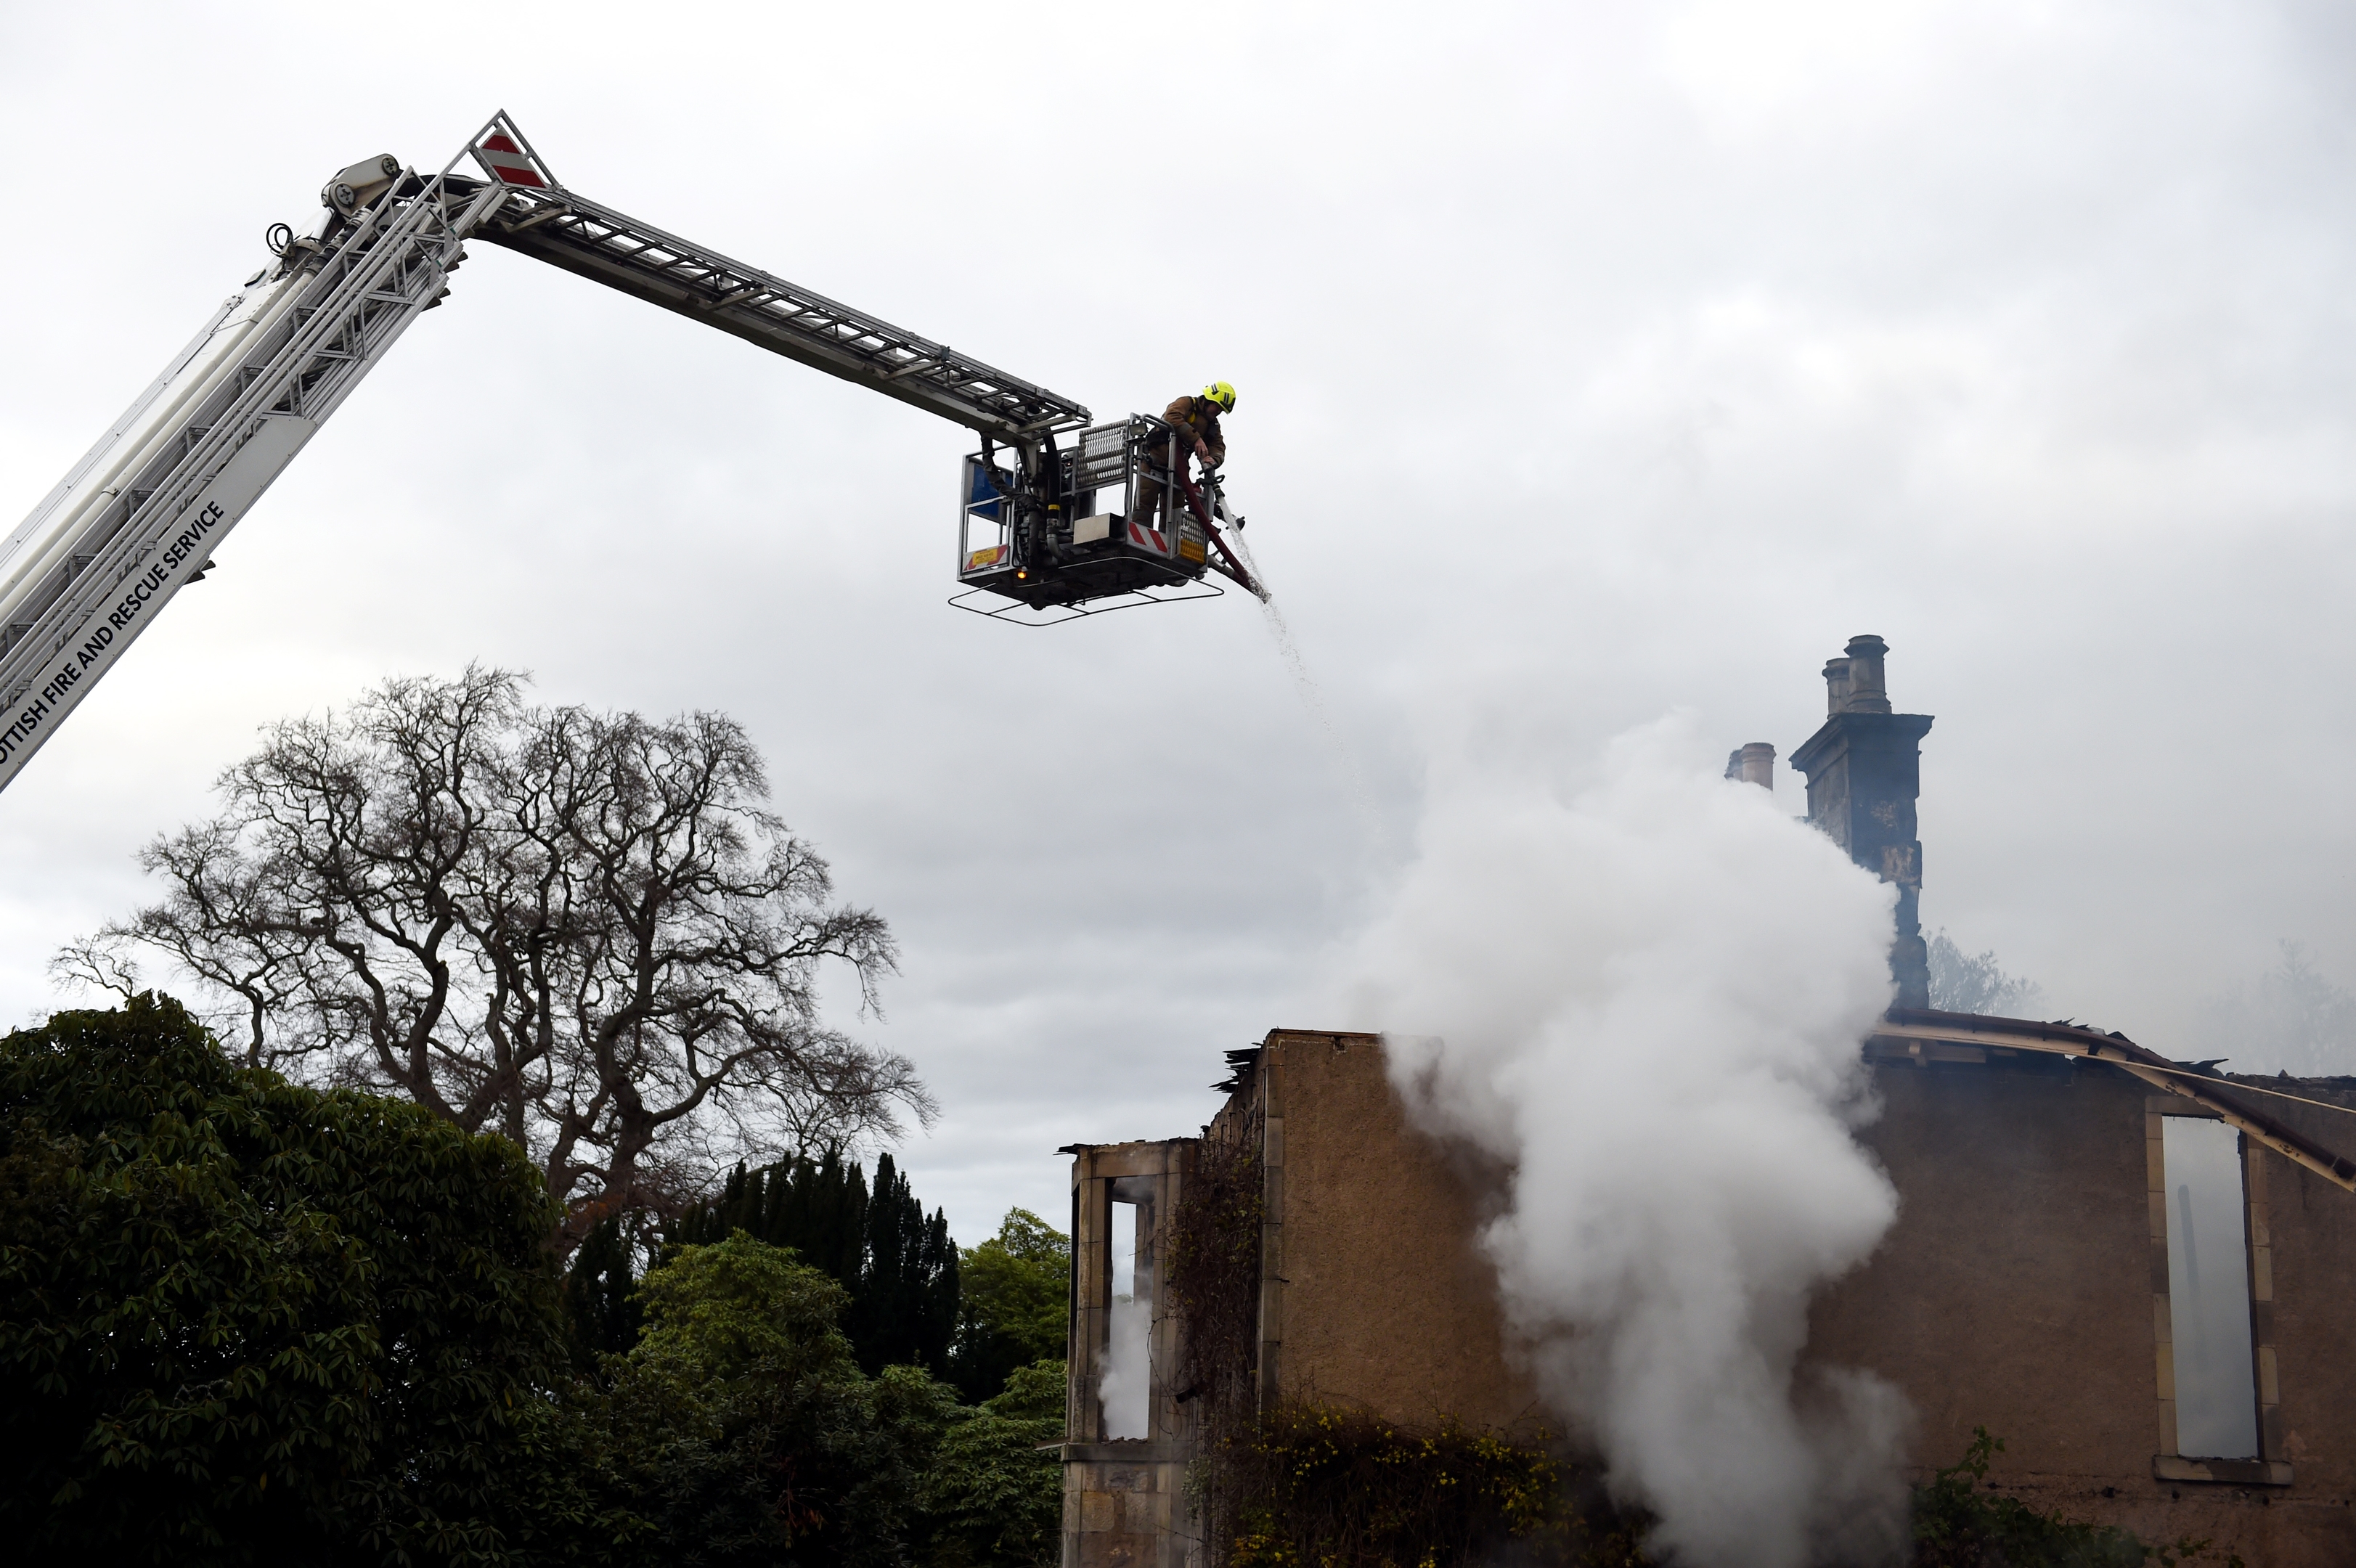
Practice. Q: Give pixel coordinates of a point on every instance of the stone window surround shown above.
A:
(2271, 1468)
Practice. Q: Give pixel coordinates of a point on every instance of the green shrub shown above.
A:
(241, 1320)
(994, 1496)
(1014, 1307)
(742, 1429)
(900, 1267)
(1959, 1525)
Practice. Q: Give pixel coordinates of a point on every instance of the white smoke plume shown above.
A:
(1644, 997)
(1124, 1391)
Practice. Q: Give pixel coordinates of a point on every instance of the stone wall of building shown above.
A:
(2021, 1289)
(1374, 1248)
(2024, 1290)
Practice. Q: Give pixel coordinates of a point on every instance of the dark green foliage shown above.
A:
(905, 1310)
(727, 1472)
(601, 1305)
(818, 1208)
(995, 1493)
(245, 1321)
(1958, 1525)
(1015, 1306)
(900, 1268)
(742, 1429)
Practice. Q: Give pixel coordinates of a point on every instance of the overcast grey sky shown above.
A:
(1595, 361)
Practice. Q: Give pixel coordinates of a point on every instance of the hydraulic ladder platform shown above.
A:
(136, 519)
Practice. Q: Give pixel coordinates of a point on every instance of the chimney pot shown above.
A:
(1836, 686)
(1865, 693)
(1755, 764)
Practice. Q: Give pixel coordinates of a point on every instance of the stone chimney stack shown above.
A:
(1864, 770)
(1752, 763)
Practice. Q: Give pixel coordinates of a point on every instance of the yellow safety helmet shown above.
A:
(1221, 393)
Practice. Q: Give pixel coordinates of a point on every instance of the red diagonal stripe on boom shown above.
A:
(508, 163)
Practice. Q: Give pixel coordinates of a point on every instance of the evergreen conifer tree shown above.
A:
(904, 1309)
(601, 1306)
(900, 1267)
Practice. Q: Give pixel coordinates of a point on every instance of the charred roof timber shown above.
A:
(1865, 769)
(1923, 1036)
(1241, 1065)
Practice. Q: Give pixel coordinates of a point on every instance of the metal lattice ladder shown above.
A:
(145, 536)
(135, 522)
(542, 218)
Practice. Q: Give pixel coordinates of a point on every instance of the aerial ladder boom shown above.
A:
(542, 219)
(135, 520)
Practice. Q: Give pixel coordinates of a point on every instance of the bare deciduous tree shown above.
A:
(2291, 1020)
(583, 930)
(1967, 982)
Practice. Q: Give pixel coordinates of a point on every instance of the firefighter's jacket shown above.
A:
(1201, 416)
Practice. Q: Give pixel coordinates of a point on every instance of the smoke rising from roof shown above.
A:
(1644, 997)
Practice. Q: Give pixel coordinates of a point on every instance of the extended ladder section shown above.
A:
(90, 569)
(135, 520)
(542, 220)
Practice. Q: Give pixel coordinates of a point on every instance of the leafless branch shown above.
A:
(100, 963)
(584, 930)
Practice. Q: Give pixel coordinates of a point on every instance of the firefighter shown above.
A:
(1195, 423)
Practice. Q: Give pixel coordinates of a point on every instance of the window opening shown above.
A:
(1124, 1390)
(2209, 1289)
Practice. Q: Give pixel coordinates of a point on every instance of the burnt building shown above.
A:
(2138, 1271)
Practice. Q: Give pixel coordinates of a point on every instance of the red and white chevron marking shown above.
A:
(509, 162)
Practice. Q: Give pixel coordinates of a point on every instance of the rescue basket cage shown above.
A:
(1110, 523)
